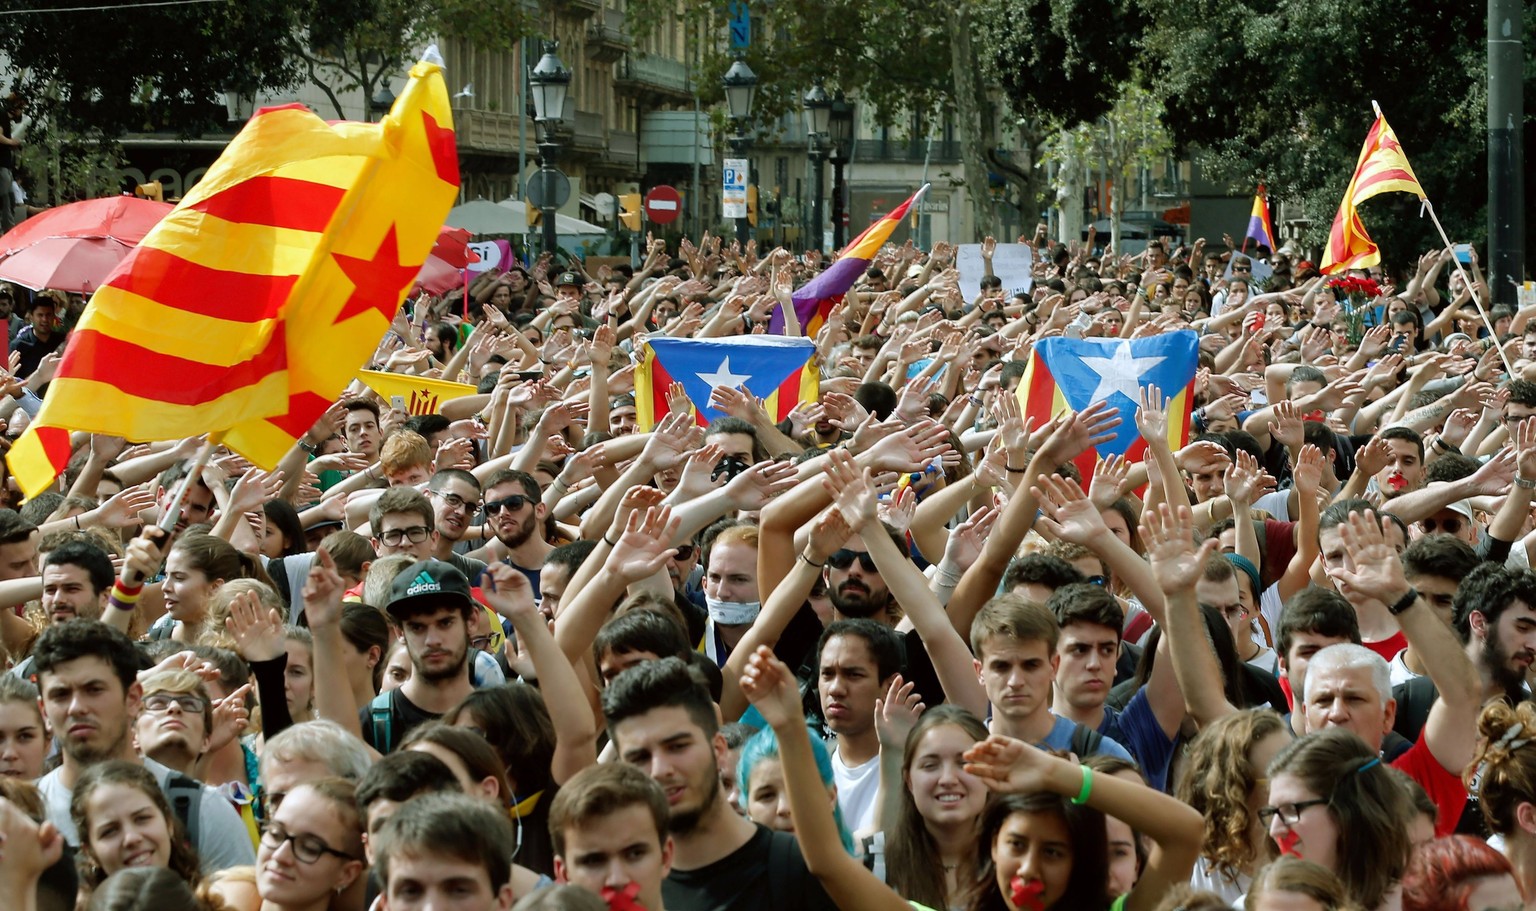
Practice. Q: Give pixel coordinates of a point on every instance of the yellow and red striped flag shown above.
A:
(419, 394)
(247, 310)
(1382, 168)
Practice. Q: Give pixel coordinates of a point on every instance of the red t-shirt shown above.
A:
(1443, 787)
(1388, 648)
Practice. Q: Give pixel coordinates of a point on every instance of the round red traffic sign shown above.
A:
(663, 205)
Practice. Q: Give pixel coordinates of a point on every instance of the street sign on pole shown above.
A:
(548, 188)
(733, 191)
(740, 25)
(663, 205)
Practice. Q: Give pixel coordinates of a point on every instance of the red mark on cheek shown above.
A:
(1027, 895)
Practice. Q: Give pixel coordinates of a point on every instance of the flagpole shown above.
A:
(194, 473)
(1471, 287)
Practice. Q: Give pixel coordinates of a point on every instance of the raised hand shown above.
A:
(507, 591)
(897, 713)
(144, 557)
(1307, 473)
(670, 442)
(677, 400)
(642, 549)
(828, 535)
(1109, 477)
(259, 634)
(695, 480)
(969, 537)
(737, 403)
(753, 488)
(1496, 475)
(770, 686)
(1525, 448)
(852, 490)
(899, 510)
(843, 411)
(910, 450)
(1009, 766)
(1243, 480)
(323, 592)
(1010, 423)
(1169, 536)
(122, 508)
(1152, 415)
(1066, 512)
(1376, 572)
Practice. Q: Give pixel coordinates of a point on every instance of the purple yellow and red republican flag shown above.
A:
(1261, 229)
(1069, 374)
(780, 370)
(247, 309)
(1382, 168)
(815, 299)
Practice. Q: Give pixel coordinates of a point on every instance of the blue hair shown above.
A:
(765, 745)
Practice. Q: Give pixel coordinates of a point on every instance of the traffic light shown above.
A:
(152, 190)
(535, 217)
(752, 205)
(629, 211)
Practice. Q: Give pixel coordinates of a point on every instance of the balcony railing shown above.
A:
(649, 73)
(587, 132)
(906, 151)
(582, 8)
(623, 149)
(607, 39)
(487, 131)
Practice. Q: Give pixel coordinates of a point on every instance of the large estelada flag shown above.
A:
(1382, 168)
(1067, 374)
(419, 394)
(814, 300)
(1260, 229)
(781, 371)
(247, 309)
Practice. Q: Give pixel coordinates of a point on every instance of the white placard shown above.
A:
(1013, 263)
(490, 256)
(733, 187)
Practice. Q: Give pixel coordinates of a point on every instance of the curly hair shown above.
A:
(1218, 780)
(1503, 770)
(183, 858)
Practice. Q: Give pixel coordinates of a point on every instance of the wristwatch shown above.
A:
(307, 446)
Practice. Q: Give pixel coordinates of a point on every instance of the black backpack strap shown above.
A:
(1085, 741)
(382, 711)
(185, 796)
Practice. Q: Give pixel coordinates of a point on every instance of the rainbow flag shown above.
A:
(814, 299)
(780, 370)
(1260, 229)
(1383, 168)
(1067, 374)
(247, 309)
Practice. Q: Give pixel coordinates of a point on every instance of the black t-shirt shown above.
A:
(765, 874)
(404, 716)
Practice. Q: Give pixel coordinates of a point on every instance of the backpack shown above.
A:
(381, 712)
(1085, 741)
(185, 796)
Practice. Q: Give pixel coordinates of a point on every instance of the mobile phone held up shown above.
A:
(1463, 253)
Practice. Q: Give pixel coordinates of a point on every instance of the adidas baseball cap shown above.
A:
(429, 583)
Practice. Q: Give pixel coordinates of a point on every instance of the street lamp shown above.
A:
(382, 101)
(841, 128)
(818, 117)
(740, 87)
(549, 81)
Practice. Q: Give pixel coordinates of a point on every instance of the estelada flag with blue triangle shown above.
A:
(778, 369)
(1069, 374)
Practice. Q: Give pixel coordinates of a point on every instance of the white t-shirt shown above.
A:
(1204, 877)
(1399, 668)
(222, 838)
(1277, 504)
(857, 788)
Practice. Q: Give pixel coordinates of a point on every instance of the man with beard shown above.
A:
(87, 677)
(77, 578)
(661, 720)
(1495, 611)
(176, 719)
(431, 605)
(514, 510)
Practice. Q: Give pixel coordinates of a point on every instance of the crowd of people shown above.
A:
(893, 651)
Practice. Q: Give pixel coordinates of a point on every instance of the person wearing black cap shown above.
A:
(430, 602)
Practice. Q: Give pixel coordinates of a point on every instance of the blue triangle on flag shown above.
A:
(758, 362)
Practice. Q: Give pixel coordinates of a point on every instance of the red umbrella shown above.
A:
(75, 247)
(451, 253)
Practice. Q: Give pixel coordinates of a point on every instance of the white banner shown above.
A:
(1013, 263)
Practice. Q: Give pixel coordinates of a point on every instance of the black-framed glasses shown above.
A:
(415, 534)
(160, 702)
(1289, 813)
(483, 643)
(842, 559)
(684, 552)
(308, 849)
(454, 501)
(514, 503)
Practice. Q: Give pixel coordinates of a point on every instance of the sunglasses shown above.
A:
(843, 559)
(515, 502)
(1447, 526)
(684, 552)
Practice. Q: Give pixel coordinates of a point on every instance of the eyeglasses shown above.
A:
(684, 552)
(1289, 813)
(415, 534)
(843, 559)
(307, 848)
(481, 642)
(159, 702)
(514, 503)
(266, 802)
(454, 501)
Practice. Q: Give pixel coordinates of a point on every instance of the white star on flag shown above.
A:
(724, 377)
(1121, 373)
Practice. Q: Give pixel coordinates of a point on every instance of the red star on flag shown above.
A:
(376, 282)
